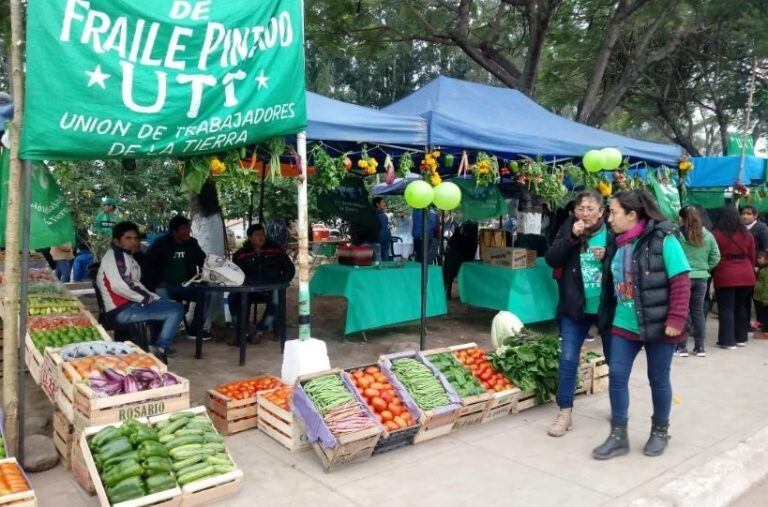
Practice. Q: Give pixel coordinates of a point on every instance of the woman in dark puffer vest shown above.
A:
(644, 304)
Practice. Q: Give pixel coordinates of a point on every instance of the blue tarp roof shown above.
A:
(333, 120)
(504, 121)
(724, 171)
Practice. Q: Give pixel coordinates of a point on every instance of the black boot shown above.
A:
(657, 442)
(617, 443)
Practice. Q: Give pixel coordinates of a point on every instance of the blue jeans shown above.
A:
(180, 293)
(696, 313)
(167, 311)
(572, 332)
(659, 356)
(62, 270)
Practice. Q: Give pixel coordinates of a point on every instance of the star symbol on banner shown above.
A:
(262, 79)
(97, 77)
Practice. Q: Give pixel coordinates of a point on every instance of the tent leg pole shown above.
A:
(302, 226)
(23, 302)
(424, 256)
(261, 193)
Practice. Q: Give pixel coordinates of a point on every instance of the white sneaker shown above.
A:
(741, 344)
(589, 338)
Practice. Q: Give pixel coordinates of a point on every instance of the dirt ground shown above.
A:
(219, 364)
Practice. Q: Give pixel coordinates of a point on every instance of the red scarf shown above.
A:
(632, 234)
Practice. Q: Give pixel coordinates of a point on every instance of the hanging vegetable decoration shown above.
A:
(605, 188)
(741, 191)
(196, 171)
(217, 167)
(684, 167)
(389, 167)
(276, 146)
(329, 171)
(367, 163)
(429, 166)
(405, 165)
(485, 169)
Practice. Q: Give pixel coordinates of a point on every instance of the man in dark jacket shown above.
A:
(263, 261)
(173, 259)
(757, 228)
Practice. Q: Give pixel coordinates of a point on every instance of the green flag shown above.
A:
(478, 203)
(133, 79)
(51, 218)
(736, 143)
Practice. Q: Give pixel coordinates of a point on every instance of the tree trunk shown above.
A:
(678, 136)
(12, 239)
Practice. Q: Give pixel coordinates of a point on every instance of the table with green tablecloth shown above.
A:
(380, 295)
(529, 293)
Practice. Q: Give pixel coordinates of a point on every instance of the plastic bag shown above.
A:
(666, 195)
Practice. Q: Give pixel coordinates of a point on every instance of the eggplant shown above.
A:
(130, 385)
(169, 380)
(113, 375)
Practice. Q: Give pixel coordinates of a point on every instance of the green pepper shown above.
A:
(155, 464)
(114, 448)
(129, 426)
(151, 448)
(103, 436)
(107, 464)
(127, 489)
(121, 471)
(142, 434)
(160, 482)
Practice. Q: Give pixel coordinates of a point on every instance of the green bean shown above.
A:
(327, 392)
(421, 383)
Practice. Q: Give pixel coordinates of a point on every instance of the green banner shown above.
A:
(478, 203)
(349, 201)
(51, 218)
(133, 79)
(736, 143)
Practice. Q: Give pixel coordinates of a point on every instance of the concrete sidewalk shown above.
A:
(720, 403)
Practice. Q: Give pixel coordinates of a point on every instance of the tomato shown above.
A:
(381, 378)
(378, 385)
(378, 404)
(400, 422)
(387, 415)
(370, 378)
(485, 376)
(371, 393)
(363, 382)
(358, 373)
(395, 409)
(372, 370)
(391, 426)
(387, 396)
(396, 400)
(378, 416)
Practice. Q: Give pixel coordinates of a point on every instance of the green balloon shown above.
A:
(613, 158)
(447, 196)
(594, 161)
(419, 194)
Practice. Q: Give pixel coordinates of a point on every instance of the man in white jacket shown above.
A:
(126, 300)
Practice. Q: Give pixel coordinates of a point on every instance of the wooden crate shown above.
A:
(584, 378)
(281, 425)
(23, 499)
(33, 359)
(499, 411)
(434, 423)
(528, 400)
(351, 448)
(80, 469)
(63, 437)
(599, 375)
(508, 257)
(67, 378)
(390, 440)
(232, 416)
(168, 498)
(92, 411)
(209, 490)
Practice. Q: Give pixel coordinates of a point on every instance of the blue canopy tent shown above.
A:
(724, 171)
(504, 121)
(333, 120)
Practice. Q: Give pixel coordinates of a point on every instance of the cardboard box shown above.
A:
(508, 257)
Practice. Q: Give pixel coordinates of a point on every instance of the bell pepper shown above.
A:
(141, 434)
(151, 448)
(130, 426)
(127, 489)
(154, 464)
(103, 436)
(114, 448)
(160, 482)
(121, 471)
(107, 464)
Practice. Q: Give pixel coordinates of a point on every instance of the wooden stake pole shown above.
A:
(303, 228)
(12, 245)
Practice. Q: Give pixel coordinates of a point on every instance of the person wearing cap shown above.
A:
(106, 220)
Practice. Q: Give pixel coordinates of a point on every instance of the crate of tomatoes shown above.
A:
(399, 416)
(276, 419)
(504, 394)
(232, 407)
(15, 488)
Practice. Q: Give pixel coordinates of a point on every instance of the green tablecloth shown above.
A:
(380, 296)
(530, 293)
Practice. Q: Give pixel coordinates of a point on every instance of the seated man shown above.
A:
(262, 261)
(126, 300)
(170, 261)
